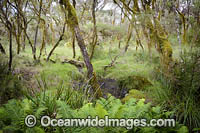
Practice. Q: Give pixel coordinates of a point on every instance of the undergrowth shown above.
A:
(14, 112)
(10, 84)
(179, 90)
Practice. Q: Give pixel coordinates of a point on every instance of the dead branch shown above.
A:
(78, 64)
(112, 63)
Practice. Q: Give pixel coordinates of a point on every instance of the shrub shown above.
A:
(182, 88)
(10, 85)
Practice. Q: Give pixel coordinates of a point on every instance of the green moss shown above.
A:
(167, 48)
(72, 19)
(134, 94)
(134, 82)
(95, 85)
(164, 46)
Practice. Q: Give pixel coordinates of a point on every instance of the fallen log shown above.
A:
(78, 64)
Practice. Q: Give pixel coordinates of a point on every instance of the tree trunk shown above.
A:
(10, 49)
(73, 45)
(18, 32)
(29, 41)
(83, 51)
(35, 42)
(130, 31)
(73, 23)
(73, 36)
(95, 37)
(24, 41)
(55, 46)
(52, 33)
(36, 32)
(119, 44)
(2, 49)
(57, 43)
(18, 43)
(43, 40)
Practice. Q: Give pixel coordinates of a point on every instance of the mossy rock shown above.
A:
(134, 94)
(134, 82)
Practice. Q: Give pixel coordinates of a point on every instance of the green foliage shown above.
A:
(107, 29)
(13, 113)
(60, 71)
(10, 85)
(72, 19)
(133, 93)
(99, 52)
(180, 88)
(134, 82)
(194, 33)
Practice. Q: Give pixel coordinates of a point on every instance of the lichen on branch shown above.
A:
(72, 19)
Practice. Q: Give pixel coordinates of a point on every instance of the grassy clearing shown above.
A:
(132, 63)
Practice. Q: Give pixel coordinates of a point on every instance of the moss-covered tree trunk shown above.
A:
(73, 24)
(23, 41)
(72, 21)
(73, 35)
(52, 34)
(95, 37)
(83, 50)
(36, 32)
(130, 31)
(44, 31)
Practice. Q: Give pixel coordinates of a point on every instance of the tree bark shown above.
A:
(24, 41)
(95, 37)
(57, 43)
(83, 51)
(36, 32)
(73, 36)
(73, 45)
(78, 64)
(74, 25)
(55, 46)
(19, 30)
(130, 31)
(2, 49)
(10, 49)
(43, 39)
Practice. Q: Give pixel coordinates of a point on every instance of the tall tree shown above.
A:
(37, 28)
(58, 42)
(95, 37)
(72, 21)
(18, 30)
(73, 35)
(5, 16)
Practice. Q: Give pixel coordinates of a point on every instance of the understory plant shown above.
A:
(10, 84)
(181, 88)
(13, 114)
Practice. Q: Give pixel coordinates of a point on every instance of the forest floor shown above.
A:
(132, 72)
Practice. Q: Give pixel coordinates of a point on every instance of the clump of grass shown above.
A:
(179, 90)
(60, 90)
